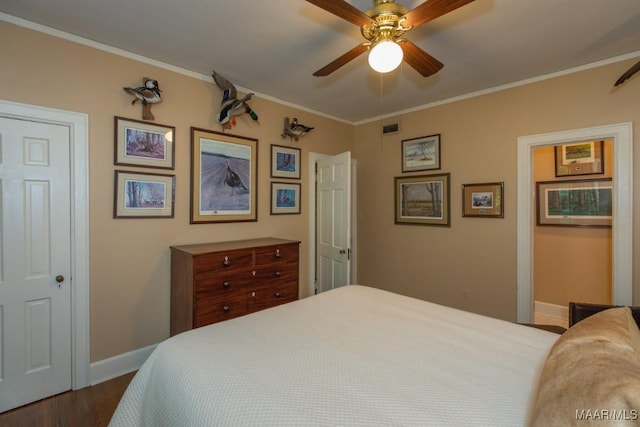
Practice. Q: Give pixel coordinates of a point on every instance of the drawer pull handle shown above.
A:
(226, 285)
(277, 253)
(277, 295)
(226, 308)
(226, 261)
(278, 274)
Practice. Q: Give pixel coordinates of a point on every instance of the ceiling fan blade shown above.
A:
(344, 10)
(423, 63)
(432, 9)
(352, 54)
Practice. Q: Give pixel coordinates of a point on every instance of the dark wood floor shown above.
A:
(90, 406)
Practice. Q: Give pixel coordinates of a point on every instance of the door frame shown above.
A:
(313, 159)
(622, 234)
(78, 124)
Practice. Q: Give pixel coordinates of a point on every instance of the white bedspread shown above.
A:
(353, 356)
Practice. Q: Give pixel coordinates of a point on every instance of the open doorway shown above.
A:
(351, 244)
(622, 237)
(572, 236)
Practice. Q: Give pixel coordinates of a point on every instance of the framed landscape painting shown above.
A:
(586, 203)
(422, 200)
(580, 158)
(144, 144)
(420, 154)
(224, 171)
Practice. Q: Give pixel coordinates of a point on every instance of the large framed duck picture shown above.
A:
(224, 170)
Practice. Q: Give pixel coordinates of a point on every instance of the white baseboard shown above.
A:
(552, 310)
(121, 364)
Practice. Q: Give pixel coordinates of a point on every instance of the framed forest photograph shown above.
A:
(583, 203)
(143, 195)
(224, 170)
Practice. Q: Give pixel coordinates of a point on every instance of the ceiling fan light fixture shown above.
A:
(385, 56)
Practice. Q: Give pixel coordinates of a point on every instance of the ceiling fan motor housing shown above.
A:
(388, 18)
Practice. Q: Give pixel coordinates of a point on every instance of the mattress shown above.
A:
(352, 356)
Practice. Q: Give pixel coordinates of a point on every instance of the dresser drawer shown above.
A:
(218, 262)
(212, 310)
(281, 253)
(222, 285)
(272, 295)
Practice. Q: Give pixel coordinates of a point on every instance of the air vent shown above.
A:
(390, 128)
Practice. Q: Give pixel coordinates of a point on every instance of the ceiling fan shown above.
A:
(383, 27)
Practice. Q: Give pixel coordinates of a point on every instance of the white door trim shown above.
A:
(78, 124)
(622, 230)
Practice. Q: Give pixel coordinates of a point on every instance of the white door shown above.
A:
(35, 261)
(333, 227)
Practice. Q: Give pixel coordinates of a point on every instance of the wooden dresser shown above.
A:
(211, 282)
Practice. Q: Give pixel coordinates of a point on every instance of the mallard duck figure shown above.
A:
(231, 106)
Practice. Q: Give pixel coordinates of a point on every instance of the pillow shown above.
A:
(592, 373)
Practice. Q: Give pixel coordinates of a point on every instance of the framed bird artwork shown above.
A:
(224, 171)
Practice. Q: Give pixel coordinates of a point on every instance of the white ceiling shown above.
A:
(273, 47)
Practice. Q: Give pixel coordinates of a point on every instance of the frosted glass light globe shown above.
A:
(385, 56)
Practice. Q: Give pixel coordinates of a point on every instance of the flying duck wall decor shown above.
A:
(149, 93)
(293, 129)
(231, 106)
(627, 74)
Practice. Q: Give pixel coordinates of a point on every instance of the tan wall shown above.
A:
(130, 257)
(571, 263)
(479, 144)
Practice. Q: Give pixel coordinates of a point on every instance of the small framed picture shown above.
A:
(582, 203)
(419, 154)
(143, 195)
(422, 200)
(484, 200)
(285, 198)
(285, 162)
(144, 144)
(580, 158)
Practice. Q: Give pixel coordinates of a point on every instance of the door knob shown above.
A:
(59, 279)
(342, 251)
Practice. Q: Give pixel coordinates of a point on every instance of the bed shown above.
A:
(351, 356)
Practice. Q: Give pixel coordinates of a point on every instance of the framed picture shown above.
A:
(144, 144)
(285, 162)
(419, 154)
(143, 195)
(580, 158)
(422, 200)
(285, 198)
(586, 203)
(224, 171)
(484, 200)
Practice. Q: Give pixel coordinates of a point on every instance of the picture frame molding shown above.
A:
(121, 158)
(443, 220)
(472, 207)
(279, 210)
(424, 165)
(543, 218)
(225, 146)
(119, 195)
